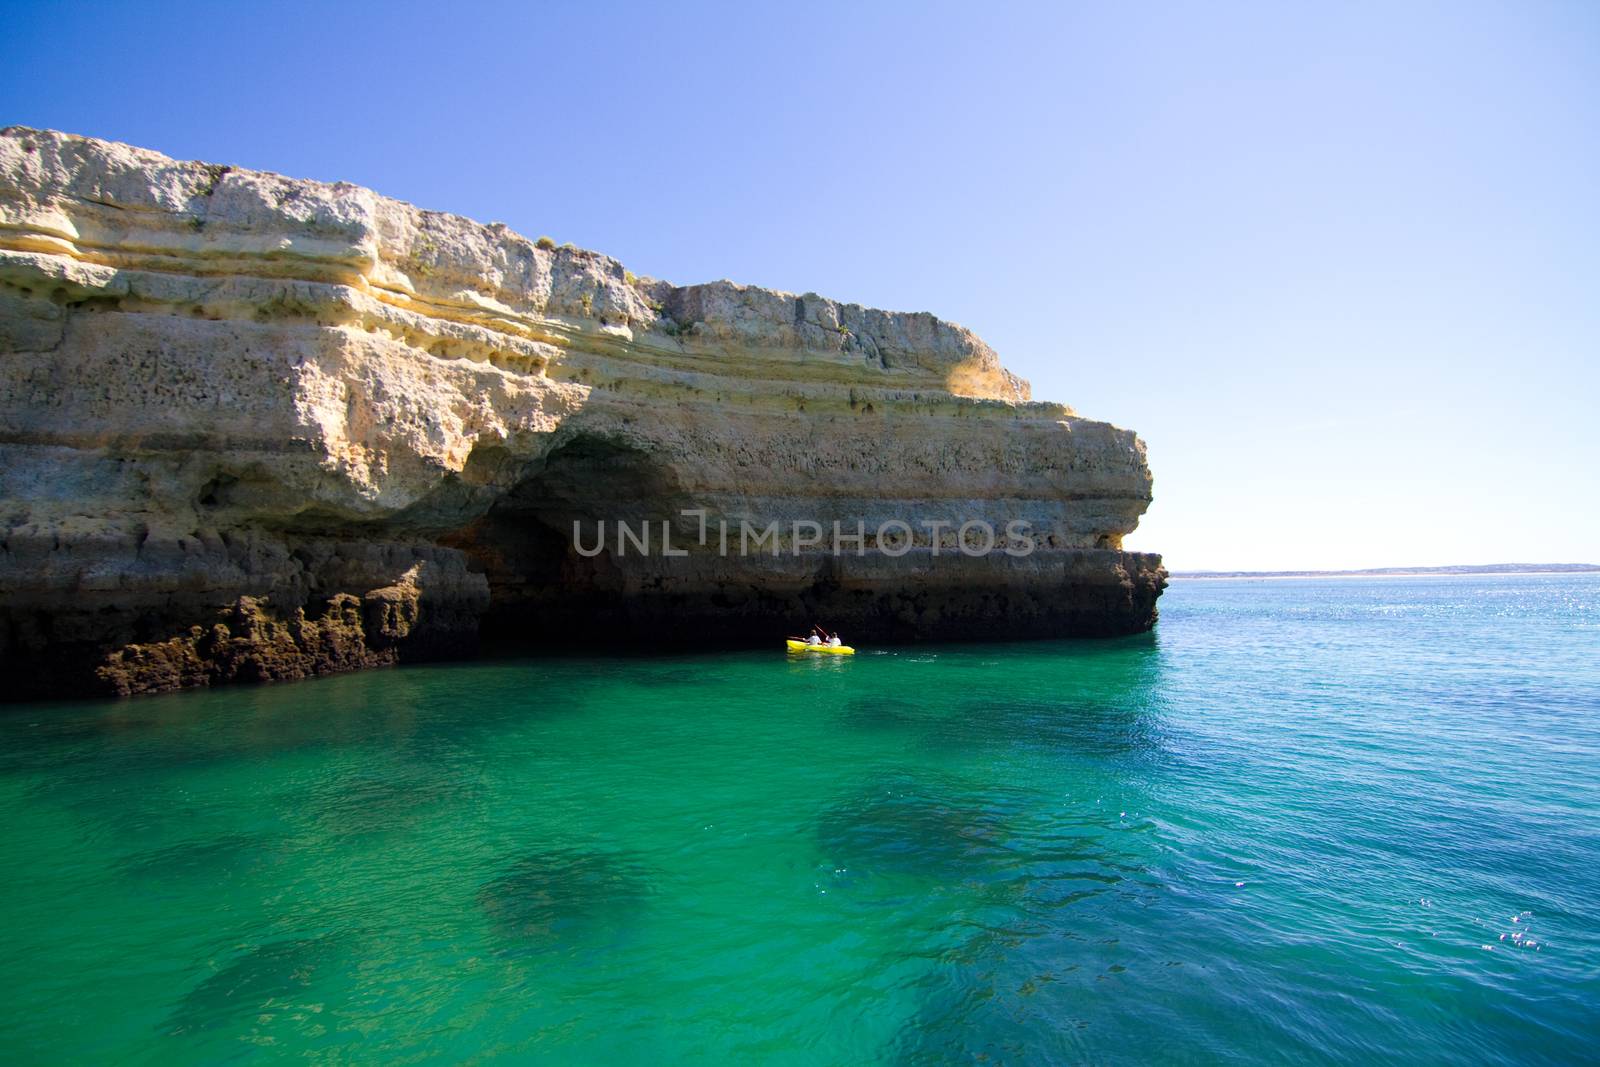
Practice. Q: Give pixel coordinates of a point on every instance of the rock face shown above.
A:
(253, 427)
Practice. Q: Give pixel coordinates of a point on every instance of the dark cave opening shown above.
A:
(543, 590)
(546, 594)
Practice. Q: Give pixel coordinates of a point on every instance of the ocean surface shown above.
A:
(1320, 821)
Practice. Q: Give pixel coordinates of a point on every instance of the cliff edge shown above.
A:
(254, 427)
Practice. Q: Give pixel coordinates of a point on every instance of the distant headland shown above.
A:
(1406, 572)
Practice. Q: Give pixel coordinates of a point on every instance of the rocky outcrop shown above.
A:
(253, 427)
(257, 645)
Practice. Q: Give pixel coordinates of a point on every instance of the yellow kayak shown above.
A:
(832, 650)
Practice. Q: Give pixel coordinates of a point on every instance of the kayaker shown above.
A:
(813, 639)
(834, 642)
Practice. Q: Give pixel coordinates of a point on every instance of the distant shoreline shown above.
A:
(1493, 569)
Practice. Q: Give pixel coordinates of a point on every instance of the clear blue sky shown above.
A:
(1338, 264)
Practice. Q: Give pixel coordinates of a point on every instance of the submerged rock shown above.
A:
(207, 857)
(554, 898)
(258, 428)
(918, 828)
(263, 982)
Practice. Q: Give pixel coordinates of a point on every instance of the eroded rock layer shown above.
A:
(253, 427)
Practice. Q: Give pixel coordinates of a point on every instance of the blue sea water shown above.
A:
(1326, 821)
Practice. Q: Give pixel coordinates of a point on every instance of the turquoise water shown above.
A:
(1330, 821)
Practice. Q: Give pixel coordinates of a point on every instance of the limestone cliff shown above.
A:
(256, 427)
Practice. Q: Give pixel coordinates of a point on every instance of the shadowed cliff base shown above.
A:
(1092, 593)
(534, 548)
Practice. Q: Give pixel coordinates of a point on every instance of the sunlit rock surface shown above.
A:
(253, 427)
